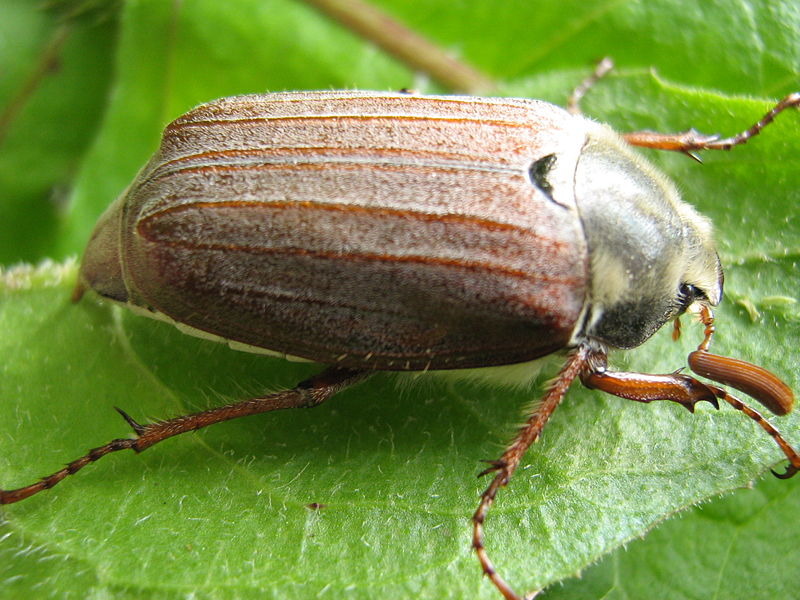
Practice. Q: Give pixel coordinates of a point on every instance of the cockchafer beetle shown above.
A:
(402, 232)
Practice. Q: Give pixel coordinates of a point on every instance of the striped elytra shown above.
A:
(398, 231)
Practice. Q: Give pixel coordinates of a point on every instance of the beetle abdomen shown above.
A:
(327, 226)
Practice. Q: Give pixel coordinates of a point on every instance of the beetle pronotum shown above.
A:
(379, 231)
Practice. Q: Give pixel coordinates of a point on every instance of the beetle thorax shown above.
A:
(651, 255)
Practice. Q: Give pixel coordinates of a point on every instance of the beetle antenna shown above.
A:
(505, 466)
(676, 329)
(755, 381)
(751, 379)
(308, 393)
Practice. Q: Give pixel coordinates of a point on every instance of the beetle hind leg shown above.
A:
(308, 393)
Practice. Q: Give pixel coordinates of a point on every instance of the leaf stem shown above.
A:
(404, 44)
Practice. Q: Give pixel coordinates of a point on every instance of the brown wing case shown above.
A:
(384, 230)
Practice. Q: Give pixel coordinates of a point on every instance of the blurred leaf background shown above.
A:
(85, 89)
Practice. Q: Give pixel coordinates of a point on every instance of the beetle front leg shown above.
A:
(643, 387)
(686, 391)
(308, 393)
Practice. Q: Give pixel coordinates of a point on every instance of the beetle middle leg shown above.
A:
(691, 141)
(308, 393)
(505, 466)
(603, 68)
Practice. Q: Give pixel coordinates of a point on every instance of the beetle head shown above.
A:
(651, 255)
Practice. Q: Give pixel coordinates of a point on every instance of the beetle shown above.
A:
(401, 232)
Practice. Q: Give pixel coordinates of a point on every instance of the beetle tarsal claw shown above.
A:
(137, 428)
(790, 471)
(692, 402)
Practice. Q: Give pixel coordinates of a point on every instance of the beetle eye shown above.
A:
(538, 172)
(688, 293)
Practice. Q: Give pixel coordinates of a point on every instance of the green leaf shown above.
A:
(707, 552)
(224, 513)
(52, 93)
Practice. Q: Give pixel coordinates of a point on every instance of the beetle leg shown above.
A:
(504, 467)
(687, 391)
(791, 453)
(643, 387)
(602, 69)
(308, 393)
(690, 141)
